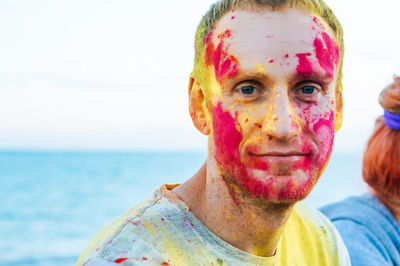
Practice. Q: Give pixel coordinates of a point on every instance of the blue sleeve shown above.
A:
(364, 247)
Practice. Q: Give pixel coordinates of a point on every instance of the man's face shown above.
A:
(272, 100)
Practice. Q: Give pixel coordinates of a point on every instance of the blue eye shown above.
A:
(247, 90)
(308, 89)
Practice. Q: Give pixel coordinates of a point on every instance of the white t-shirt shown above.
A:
(163, 231)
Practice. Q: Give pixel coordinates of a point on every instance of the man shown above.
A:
(266, 89)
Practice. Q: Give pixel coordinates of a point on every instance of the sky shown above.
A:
(113, 75)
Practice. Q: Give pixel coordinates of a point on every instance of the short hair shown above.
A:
(221, 7)
(381, 163)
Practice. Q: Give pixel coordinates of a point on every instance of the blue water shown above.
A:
(52, 204)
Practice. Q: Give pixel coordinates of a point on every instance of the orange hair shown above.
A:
(381, 164)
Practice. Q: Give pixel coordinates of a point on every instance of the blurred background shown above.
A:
(93, 112)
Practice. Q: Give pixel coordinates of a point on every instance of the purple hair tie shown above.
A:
(392, 120)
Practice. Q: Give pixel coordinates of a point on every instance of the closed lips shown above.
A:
(280, 154)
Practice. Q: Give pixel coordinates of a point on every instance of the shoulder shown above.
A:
(361, 211)
(355, 207)
(134, 232)
(317, 234)
(367, 228)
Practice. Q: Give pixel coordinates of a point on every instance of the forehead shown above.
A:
(268, 33)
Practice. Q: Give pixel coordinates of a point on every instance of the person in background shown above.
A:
(369, 224)
(266, 90)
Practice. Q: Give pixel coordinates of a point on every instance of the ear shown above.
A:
(339, 107)
(197, 107)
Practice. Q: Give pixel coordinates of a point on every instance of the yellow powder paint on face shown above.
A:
(236, 190)
(214, 88)
(251, 217)
(212, 92)
(260, 67)
(238, 127)
(233, 106)
(255, 139)
(270, 118)
(234, 236)
(246, 120)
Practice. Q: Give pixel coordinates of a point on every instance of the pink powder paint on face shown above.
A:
(226, 137)
(270, 36)
(235, 67)
(304, 68)
(259, 164)
(224, 65)
(295, 125)
(325, 122)
(324, 128)
(233, 71)
(327, 128)
(233, 17)
(208, 38)
(332, 47)
(329, 132)
(316, 21)
(327, 57)
(209, 49)
(290, 190)
(306, 166)
(218, 53)
(225, 34)
(227, 140)
(286, 56)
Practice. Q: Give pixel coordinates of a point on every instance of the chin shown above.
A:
(279, 187)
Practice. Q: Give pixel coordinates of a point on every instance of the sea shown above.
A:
(53, 203)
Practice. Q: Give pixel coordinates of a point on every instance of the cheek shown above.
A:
(319, 131)
(324, 130)
(226, 137)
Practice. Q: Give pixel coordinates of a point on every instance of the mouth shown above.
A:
(279, 154)
(280, 157)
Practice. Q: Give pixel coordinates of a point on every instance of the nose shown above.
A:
(281, 121)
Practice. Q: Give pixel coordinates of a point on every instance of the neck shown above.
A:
(252, 225)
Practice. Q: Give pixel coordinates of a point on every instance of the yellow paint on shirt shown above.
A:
(148, 226)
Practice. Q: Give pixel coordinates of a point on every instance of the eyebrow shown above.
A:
(318, 75)
(253, 75)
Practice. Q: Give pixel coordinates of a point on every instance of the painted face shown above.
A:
(272, 100)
